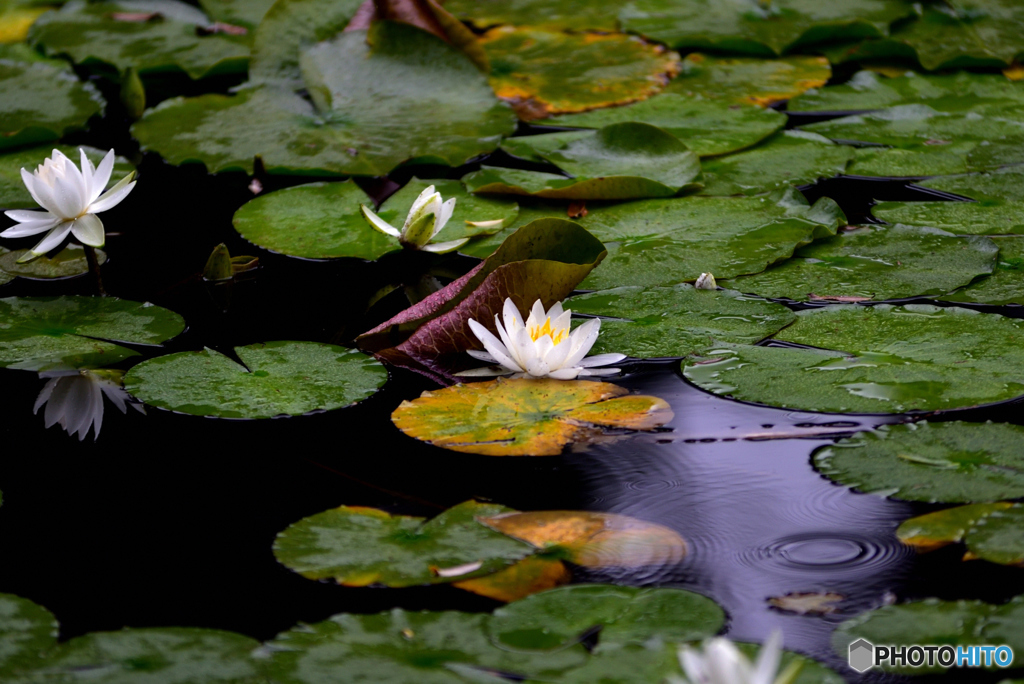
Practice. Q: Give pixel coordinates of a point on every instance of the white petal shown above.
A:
(582, 339)
(32, 228)
(537, 315)
(556, 310)
(378, 223)
(523, 347)
(600, 360)
(67, 197)
(44, 394)
(420, 201)
(481, 356)
(53, 238)
(444, 247)
(558, 354)
(23, 216)
(542, 347)
(564, 373)
(88, 229)
(506, 339)
(117, 396)
(598, 371)
(768, 659)
(510, 315)
(87, 173)
(485, 372)
(560, 320)
(40, 191)
(493, 346)
(444, 214)
(102, 176)
(112, 197)
(693, 665)
(537, 367)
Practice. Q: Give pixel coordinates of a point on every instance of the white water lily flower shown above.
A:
(706, 281)
(427, 216)
(71, 198)
(722, 663)
(541, 346)
(74, 399)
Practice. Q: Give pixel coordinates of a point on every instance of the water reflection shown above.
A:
(759, 520)
(74, 399)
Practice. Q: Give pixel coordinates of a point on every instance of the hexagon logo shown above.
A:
(862, 655)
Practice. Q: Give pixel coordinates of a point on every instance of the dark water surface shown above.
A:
(169, 519)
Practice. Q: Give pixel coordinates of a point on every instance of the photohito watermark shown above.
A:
(864, 655)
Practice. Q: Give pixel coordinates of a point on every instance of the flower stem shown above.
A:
(94, 266)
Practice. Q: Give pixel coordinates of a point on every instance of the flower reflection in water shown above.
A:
(74, 398)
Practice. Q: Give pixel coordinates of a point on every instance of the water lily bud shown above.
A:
(706, 281)
(133, 94)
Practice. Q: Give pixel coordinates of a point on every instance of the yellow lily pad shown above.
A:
(531, 575)
(15, 21)
(748, 79)
(593, 540)
(543, 72)
(948, 526)
(525, 417)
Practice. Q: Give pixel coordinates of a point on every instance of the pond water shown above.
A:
(168, 519)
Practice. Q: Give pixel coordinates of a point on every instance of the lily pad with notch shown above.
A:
(707, 126)
(39, 333)
(401, 646)
(791, 157)
(380, 98)
(662, 242)
(542, 72)
(1005, 285)
(620, 161)
(951, 462)
(279, 378)
(526, 416)
(151, 36)
(875, 263)
(357, 546)
(931, 621)
(678, 320)
(555, 619)
(748, 79)
(894, 360)
(964, 218)
(751, 27)
(40, 102)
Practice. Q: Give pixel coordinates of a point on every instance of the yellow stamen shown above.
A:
(556, 336)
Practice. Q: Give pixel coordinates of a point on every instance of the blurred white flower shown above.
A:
(706, 281)
(427, 216)
(71, 198)
(74, 399)
(540, 347)
(721, 662)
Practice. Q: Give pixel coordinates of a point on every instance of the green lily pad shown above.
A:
(526, 416)
(999, 536)
(626, 615)
(1005, 285)
(245, 13)
(959, 91)
(14, 194)
(949, 526)
(68, 263)
(469, 208)
(543, 72)
(894, 360)
(951, 35)
(787, 158)
(357, 546)
(918, 162)
(658, 662)
(381, 98)
(26, 632)
(1001, 184)
(314, 221)
(278, 378)
(750, 80)
(530, 210)
(917, 125)
(44, 332)
(40, 102)
(152, 36)
(708, 127)
(172, 655)
(992, 217)
(954, 623)
(664, 242)
(620, 161)
(876, 262)
(400, 646)
(757, 28)
(678, 321)
(573, 15)
(951, 462)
